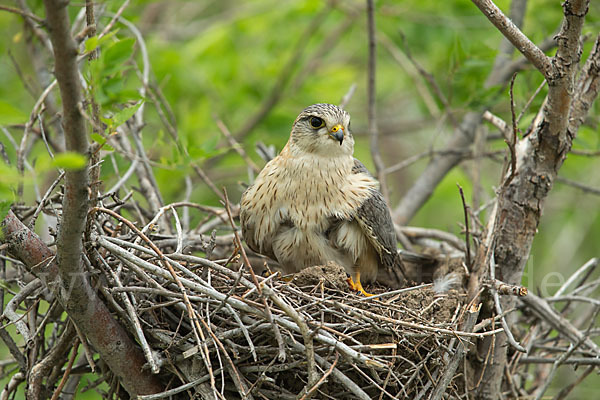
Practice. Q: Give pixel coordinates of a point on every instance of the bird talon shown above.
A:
(357, 286)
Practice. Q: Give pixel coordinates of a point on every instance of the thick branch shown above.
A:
(74, 291)
(539, 157)
(75, 201)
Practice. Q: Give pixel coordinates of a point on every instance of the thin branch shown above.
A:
(444, 381)
(236, 145)
(467, 235)
(63, 380)
(22, 13)
(578, 185)
(513, 142)
(371, 111)
(533, 96)
(504, 24)
(240, 246)
(344, 101)
(498, 305)
(587, 88)
(323, 379)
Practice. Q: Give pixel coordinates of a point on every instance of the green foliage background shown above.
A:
(222, 59)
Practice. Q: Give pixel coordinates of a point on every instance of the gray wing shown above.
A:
(375, 220)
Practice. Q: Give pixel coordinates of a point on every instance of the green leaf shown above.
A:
(116, 54)
(69, 160)
(91, 44)
(98, 138)
(123, 115)
(107, 37)
(9, 114)
(108, 147)
(4, 208)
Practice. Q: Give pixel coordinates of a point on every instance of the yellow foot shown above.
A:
(357, 286)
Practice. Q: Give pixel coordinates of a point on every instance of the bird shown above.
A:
(315, 203)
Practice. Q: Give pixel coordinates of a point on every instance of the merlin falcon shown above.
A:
(316, 203)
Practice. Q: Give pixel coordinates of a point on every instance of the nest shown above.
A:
(210, 326)
(222, 328)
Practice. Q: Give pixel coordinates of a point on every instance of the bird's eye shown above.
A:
(316, 122)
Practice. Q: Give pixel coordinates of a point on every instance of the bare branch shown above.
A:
(533, 53)
(372, 128)
(578, 185)
(513, 141)
(22, 13)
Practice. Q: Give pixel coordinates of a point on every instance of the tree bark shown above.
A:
(540, 155)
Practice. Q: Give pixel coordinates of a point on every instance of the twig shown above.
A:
(63, 380)
(549, 315)
(114, 18)
(499, 123)
(278, 88)
(564, 392)
(587, 88)
(506, 289)
(308, 394)
(528, 104)
(498, 305)
(467, 235)
(513, 142)
(133, 318)
(236, 145)
(590, 265)
(44, 198)
(398, 291)
(444, 381)
(344, 101)
(559, 361)
(22, 13)
(207, 180)
(176, 390)
(413, 232)
(578, 185)
(429, 78)
(307, 335)
(239, 383)
(406, 62)
(165, 262)
(13, 304)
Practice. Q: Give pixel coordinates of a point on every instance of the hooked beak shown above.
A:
(337, 133)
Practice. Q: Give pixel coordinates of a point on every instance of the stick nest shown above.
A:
(219, 327)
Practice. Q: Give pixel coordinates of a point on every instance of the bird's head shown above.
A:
(323, 129)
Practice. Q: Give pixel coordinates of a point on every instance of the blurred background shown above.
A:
(254, 65)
